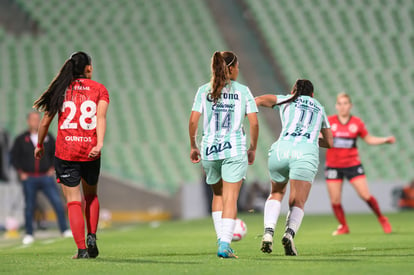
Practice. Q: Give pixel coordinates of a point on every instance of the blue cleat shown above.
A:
(225, 251)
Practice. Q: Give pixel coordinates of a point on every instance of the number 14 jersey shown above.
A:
(76, 134)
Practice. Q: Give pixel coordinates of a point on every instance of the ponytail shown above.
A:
(301, 87)
(220, 63)
(220, 76)
(51, 100)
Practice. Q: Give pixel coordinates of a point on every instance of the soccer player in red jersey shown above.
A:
(81, 105)
(342, 160)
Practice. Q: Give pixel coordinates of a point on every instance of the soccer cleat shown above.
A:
(92, 247)
(289, 245)
(341, 230)
(225, 251)
(67, 234)
(267, 243)
(28, 239)
(82, 254)
(386, 226)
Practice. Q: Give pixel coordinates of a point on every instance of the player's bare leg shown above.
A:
(361, 186)
(335, 193)
(230, 196)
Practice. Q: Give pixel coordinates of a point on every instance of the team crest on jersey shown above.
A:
(334, 127)
(353, 128)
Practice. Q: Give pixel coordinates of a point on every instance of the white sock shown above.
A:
(227, 230)
(271, 213)
(294, 218)
(217, 222)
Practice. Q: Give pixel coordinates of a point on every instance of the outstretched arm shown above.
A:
(326, 140)
(266, 100)
(192, 130)
(372, 140)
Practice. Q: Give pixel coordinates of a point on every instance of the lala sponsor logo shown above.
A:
(218, 148)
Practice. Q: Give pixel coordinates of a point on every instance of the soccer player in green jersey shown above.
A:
(224, 104)
(293, 157)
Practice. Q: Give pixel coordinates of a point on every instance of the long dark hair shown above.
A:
(301, 87)
(220, 73)
(52, 99)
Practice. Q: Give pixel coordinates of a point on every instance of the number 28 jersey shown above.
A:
(76, 134)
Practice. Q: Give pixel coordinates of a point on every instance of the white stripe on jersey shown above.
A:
(315, 132)
(223, 136)
(302, 119)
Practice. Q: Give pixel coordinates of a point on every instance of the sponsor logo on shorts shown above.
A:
(294, 154)
(331, 174)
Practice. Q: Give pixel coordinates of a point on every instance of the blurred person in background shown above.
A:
(342, 161)
(293, 158)
(81, 105)
(224, 104)
(406, 200)
(37, 175)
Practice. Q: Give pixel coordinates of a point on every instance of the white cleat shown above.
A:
(289, 245)
(28, 239)
(267, 243)
(67, 234)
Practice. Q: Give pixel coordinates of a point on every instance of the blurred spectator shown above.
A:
(256, 197)
(4, 152)
(37, 175)
(407, 197)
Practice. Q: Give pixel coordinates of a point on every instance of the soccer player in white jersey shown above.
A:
(224, 104)
(293, 157)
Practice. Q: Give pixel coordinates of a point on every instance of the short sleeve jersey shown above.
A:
(223, 134)
(344, 152)
(77, 120)
(302, 119)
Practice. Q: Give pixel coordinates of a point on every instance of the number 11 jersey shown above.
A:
(302, 119)
(76, 134)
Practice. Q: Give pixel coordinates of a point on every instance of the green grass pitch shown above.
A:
(188, 247)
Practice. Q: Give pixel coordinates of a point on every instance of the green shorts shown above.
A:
(289, 161)
(231, 169)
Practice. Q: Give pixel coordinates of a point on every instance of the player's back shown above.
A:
(302, 119)
(223, 134)
(77, 119)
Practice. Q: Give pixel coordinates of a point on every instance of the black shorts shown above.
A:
(69, 173)
(339, 173)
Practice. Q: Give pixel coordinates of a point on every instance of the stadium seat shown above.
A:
(360, 47)
(151, 57)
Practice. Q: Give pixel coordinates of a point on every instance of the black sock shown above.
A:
(269, 230)
(290, 231)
